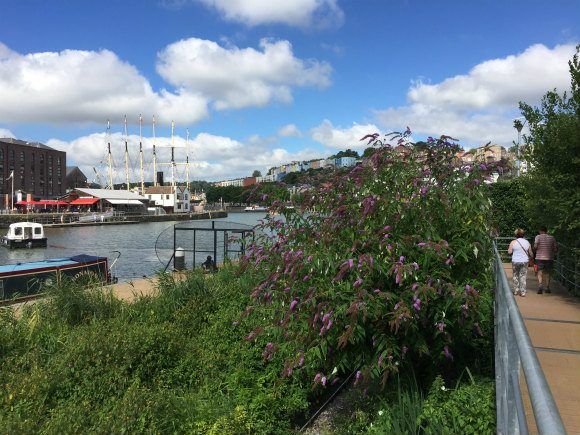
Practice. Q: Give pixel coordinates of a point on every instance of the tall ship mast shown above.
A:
(141, 153)
(154, 156)
(109, 156)
(172, 157)
(126, 155)
(187, 157)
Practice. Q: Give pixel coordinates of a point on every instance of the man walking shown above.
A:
(545, 247)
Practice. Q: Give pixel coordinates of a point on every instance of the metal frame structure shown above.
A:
(226, 233)
(513, 348)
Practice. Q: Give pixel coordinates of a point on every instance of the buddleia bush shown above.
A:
(381, 268)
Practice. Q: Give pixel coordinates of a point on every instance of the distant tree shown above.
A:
(347, 153)
(369, 152)
(256, 173)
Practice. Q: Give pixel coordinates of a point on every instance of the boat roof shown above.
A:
(53, 262)
(25, 224)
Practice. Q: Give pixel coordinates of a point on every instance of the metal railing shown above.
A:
(224, 240)
(512, 348)
(565, 264)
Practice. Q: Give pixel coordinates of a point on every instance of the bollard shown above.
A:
(179, 259)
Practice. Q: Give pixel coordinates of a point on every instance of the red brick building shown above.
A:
(39, 170)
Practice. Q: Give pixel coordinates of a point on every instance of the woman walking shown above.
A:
(521, 251)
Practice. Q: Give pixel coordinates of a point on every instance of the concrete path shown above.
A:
(553, 323)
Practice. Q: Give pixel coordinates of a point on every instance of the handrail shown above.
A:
(512, 347)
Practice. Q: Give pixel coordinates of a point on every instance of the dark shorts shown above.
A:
(545, 264)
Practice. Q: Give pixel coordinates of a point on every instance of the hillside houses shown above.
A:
(484, 154)
(277, 173)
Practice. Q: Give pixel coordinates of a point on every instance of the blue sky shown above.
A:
(262, 82)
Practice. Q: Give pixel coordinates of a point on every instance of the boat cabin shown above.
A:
(24, 235)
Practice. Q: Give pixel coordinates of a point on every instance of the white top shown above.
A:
(520, 248)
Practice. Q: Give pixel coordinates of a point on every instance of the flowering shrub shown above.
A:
(382, 267)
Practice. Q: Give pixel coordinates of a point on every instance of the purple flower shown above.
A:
(380, 361)
(440, 326)
(398, 277)
(415, 265)
(401, 259)
(447, 353)
(417, 304)
(317, 378)
(357, 283)
(306, 278)
(293, 304)
(323, 381)
(309, 259)
(421, 244)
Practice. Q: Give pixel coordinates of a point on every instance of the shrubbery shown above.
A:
(172, 363)
(382, 268)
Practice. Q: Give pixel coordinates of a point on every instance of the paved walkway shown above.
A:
(553, 323)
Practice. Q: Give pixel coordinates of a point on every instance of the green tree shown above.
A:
(347, 153)
(552, 150)
(256, 173)
(369, 152)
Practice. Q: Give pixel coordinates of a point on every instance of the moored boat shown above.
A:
(24, 235)
(24, 279)
(256, 208)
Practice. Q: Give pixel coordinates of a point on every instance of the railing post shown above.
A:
(214, 242)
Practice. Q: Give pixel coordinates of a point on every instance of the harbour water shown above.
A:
(145, 248)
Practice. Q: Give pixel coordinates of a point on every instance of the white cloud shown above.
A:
(235, 77)
(6, 133)
(300, 13)
(342, 138)
(480, 106)
(289, 130)
(75, 86)
(84, 86)
(212, 157)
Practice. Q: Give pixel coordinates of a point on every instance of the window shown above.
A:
(37, 230)
(179, 206)
(17, 231)
(22, 156)
(167, 197)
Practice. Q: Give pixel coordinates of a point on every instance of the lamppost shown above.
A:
(518, 125)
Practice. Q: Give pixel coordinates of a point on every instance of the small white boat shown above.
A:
(24, 235)
(256, 208)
